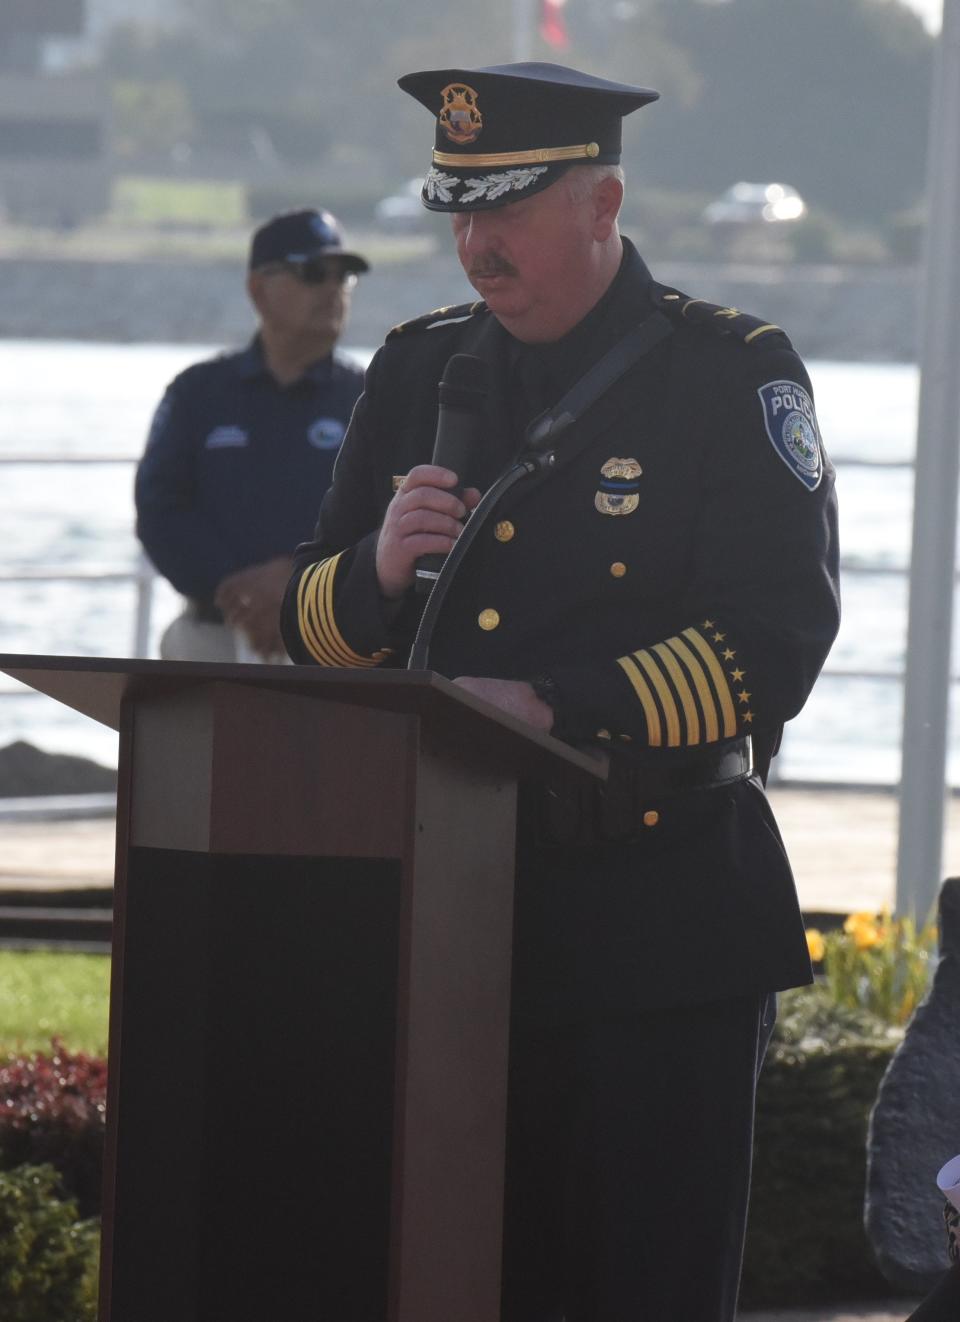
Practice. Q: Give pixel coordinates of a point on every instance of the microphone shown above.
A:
(463, 394)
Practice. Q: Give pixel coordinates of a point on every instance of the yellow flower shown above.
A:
(864, 929)
(816, 945)
(865, 935)
(861, 919)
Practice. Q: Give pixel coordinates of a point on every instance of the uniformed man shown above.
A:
(242, 447)
(666, 591)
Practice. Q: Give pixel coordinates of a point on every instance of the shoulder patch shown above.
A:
(439, 317)
(791, 424)
(682, 309)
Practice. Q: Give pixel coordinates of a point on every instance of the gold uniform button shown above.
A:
(488, 619)
(618, 569)
(651, 818)
(504, 531)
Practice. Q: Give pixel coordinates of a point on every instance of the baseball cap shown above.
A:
(301, 236)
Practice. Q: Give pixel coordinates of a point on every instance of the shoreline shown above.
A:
(840, 313)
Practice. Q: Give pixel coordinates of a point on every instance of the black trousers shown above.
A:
(628, 1164)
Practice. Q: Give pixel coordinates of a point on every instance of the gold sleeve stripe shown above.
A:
(332, 633)
(715, 671)
(323, 605)
(315, 617)
(642, 690)
(311, 615)
(689, 702)
(708, 702)
(667, 701)
(304, 622)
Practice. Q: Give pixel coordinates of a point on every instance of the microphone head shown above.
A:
(465, 382)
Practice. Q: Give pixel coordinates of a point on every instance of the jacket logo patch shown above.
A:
(618, 493)
(226, 438)
(791, 424)
(325, 433)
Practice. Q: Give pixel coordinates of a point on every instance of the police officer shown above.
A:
(242, 446)
(666, 591)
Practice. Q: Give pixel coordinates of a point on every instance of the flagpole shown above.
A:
(522, 29)
(932, 559)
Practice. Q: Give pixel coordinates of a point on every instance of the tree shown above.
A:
(831, 96)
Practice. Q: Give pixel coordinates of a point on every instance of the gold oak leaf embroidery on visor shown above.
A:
(684, 693)
(318, 628)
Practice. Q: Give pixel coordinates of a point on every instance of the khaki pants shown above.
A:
(189, 639)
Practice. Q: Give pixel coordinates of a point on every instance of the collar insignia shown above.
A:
(460, 119)
(619, 487)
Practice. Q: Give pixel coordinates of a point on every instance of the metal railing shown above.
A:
(143, 575)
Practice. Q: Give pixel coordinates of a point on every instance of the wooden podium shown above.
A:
(310, 988)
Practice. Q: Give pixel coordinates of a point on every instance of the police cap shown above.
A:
(300, 236)
(509, 130)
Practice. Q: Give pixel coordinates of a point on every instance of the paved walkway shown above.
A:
(842, 844)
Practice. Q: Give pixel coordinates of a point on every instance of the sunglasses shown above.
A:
(315, 271)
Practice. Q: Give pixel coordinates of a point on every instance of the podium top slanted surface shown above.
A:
(98, 686)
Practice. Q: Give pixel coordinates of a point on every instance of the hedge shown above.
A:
(805, 1240)
(48, 1255)
(53, 1110)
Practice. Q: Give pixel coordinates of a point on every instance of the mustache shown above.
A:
(488, 266)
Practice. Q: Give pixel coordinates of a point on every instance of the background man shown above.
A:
(665, 591)
(242, 447)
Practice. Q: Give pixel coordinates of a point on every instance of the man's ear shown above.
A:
(255, 289)
(607, 199)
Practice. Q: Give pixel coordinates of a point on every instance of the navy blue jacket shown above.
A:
(236, 465)
(676, 578)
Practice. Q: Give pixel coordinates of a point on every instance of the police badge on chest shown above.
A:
(619, 487)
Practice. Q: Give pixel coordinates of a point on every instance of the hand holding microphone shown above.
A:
(424, 519)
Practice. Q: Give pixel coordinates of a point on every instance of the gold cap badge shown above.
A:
(618, 492)
(459, 117)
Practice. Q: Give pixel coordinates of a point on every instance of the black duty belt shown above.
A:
(629, 803)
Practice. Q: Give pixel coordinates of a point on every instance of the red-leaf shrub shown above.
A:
(53, 1109)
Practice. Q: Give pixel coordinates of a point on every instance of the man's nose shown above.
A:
(477, 232)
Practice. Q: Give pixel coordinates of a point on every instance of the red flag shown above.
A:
(553, 29)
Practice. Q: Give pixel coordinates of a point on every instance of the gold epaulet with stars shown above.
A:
(684, 310)
(438, 317)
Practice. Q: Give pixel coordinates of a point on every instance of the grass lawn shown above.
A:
(45, 994)
(154, 201)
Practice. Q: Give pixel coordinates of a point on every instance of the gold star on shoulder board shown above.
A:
(736, 675)
(708, 624)
(744, 696)
(719, 637)
(747, 717)
(728, 655)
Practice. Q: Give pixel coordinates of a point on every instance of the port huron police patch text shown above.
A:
(792, 427)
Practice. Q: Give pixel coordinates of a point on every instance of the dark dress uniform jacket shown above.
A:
(676, 578)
